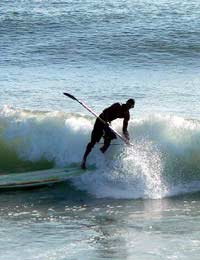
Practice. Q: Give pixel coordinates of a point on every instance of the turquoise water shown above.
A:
(141, 202)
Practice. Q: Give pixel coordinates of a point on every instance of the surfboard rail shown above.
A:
(41, 178)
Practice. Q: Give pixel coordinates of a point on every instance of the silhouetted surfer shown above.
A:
(100, 129)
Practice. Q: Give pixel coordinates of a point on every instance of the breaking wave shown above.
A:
(164, 161)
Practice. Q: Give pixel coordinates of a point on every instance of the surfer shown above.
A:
(102, 129)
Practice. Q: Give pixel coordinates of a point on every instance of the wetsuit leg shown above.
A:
(107, 142)
(97, 133)
(88, 149)
(108, 137)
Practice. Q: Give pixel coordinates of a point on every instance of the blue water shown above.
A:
(141, 202)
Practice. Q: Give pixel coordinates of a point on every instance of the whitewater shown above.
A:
(164, 160)
(141, 202)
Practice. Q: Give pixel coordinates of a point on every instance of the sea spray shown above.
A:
(163, 161)
(129, 172)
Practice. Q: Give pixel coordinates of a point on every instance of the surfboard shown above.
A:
(41, 178)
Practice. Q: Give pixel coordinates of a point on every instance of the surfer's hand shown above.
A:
(126, 134)
(106, 125)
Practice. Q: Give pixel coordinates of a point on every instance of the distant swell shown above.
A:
(164, 161)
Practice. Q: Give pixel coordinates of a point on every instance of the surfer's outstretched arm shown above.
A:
(125, 126)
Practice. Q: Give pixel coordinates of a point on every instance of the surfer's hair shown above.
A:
(131, 101)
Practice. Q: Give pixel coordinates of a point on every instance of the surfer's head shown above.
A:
(130, 103)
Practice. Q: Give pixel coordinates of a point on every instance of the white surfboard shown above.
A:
(40, 178)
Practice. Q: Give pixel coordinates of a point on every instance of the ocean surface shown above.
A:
(141, 202)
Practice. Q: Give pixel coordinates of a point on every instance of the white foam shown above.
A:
(165, 154)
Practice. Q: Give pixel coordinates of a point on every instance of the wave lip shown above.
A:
(164, 161)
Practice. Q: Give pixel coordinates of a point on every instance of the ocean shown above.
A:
(141, 202)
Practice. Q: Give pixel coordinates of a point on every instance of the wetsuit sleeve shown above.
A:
(125, 124)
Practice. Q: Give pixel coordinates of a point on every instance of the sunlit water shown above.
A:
(140, 202)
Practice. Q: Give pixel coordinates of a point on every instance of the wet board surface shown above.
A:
(40, 178)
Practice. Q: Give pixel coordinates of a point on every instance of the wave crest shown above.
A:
(165, 158)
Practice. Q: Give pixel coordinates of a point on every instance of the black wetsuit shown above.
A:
(100, 129)
(111, 113)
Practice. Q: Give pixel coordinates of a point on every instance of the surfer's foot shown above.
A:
(102, 149)
(83, 166)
